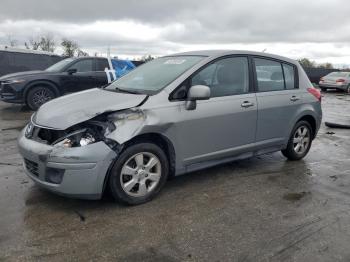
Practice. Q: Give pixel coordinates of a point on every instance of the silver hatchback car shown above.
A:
(336, 80)
(170, 116)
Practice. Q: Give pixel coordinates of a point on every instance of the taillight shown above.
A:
(315, 92)
(340, 80)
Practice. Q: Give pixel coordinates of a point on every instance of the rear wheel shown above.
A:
(139, 174)
(299, 142)
(38, 96)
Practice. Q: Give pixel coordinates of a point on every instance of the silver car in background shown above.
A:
(170, 116)
(336, 80)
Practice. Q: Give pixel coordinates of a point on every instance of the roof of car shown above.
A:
(218, 53)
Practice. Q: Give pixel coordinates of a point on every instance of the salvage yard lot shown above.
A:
(263, 208)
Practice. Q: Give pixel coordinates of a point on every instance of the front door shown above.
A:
(83, 78)
(224, 125)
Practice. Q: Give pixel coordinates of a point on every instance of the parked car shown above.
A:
(336, 80)
(170, 116)
(315, 74)
(35, 88)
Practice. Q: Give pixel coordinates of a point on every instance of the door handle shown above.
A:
(294, 98)
(246, 104)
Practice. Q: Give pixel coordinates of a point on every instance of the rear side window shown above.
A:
(225, 77)
(289, 76)
(101, 64)
(269, 75)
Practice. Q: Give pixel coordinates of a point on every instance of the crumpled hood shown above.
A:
(75, 108)
(22, 74)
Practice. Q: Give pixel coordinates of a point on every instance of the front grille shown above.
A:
(32, 167)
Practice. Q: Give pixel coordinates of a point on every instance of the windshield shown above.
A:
(60, 65)
(155, 75)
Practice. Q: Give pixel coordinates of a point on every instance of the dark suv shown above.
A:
(69, 75)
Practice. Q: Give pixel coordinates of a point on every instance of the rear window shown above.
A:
(339, 74)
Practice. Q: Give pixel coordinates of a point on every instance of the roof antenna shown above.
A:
(264, 50)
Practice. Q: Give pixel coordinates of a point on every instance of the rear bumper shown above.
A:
(77, 172)
(330, 86)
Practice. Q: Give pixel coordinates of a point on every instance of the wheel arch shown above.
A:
(160, 140)
(53, 86)
(312, 121)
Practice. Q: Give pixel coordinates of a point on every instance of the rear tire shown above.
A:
(348, 89)
(138, 174)
(38, 96)
(299, 142)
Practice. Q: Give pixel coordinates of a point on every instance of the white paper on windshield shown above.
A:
(175, 61)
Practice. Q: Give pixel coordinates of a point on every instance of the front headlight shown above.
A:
(75, 139)
(13, 81)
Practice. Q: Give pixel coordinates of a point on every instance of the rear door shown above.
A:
(100, 74)
(278, 98)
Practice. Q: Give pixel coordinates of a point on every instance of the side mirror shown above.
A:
(72, 71)
(198, 92)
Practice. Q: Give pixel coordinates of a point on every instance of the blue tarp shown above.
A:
(122, 67)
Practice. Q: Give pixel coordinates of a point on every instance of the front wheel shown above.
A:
(39, 95)
(139, 174)
(299, 142)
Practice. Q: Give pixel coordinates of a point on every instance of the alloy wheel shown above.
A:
(41, 96)
(301, 140)
(140, 174)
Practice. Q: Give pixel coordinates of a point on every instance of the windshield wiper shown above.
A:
(126, 91)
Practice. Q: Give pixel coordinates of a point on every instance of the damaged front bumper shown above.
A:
(77, 172)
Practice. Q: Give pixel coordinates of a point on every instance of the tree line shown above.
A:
(48, 43)
(307, 63)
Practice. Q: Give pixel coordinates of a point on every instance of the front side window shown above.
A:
(225, 77)
(85, 65)
(153, 76)
(269, 75)
(58, 67)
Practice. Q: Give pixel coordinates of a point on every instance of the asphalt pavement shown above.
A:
(260, 209)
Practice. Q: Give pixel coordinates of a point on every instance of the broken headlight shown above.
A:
(77, 138)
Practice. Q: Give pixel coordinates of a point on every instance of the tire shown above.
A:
(293, 152)
(348, 89)
(131, 182)
(39, 95)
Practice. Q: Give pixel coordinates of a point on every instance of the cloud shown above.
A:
(294, 28)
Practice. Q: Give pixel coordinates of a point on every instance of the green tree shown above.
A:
(47, 43)
(69, 47)
(326, 65)
(147, 58)
(305, 62)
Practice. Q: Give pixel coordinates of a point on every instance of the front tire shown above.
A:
(139, 174)
(38, 96)
(299, 142)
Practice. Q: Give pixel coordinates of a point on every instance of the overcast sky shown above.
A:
(317, 29)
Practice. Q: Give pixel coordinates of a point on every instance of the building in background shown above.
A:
(13, 60)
